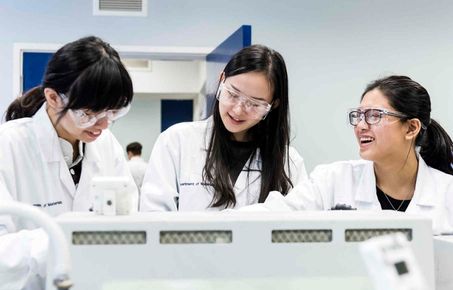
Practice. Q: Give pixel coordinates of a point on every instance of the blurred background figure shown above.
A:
(136, 164)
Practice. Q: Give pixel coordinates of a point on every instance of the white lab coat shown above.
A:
(175, 171)
(137, 166)
(354, 183)
(33, 170)
(6, 223)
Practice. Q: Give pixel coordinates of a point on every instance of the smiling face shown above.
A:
(234, 117)
(66, 126)
(386, 140)
(67, 129)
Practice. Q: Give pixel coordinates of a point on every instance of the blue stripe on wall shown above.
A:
(219, 57)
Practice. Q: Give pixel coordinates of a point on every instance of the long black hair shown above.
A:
(411, 99)
(270, 135)
(88, 71)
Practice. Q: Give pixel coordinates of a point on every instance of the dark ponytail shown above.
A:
(26, 105)
(410, 98)
(437, 148)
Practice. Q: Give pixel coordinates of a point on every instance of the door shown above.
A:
(175, 111)
(33, 68)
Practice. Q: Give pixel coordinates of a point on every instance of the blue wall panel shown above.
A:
(219, 57)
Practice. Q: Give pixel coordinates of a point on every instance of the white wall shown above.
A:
(166, 80)
(141, 124)
(332, 48)
(168, 77)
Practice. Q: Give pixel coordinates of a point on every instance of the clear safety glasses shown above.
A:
(371, 116)
(84, 119)
(256, 109)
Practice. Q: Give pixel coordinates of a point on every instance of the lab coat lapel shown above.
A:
(425, 189)
(90, 168)
(91, 165)
(66, 178)
(365, 191)
(51, 149)
(249, 175)
(47, 136)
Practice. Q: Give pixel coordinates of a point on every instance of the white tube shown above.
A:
(57, 241)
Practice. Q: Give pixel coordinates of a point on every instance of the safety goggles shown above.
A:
(371, 116)
(84, 119)
(254, 108)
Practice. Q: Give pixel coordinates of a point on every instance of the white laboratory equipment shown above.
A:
(443, 257)
(218, 250)
(59, 263)
(112, 195)
(392, 264)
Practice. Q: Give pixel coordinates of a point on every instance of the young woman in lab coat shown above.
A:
(238, 155)
(56, 139)
(406, 166)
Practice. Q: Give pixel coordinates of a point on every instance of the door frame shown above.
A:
(149, 52)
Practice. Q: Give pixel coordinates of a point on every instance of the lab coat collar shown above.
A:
(47, 135)
(208, 131)
(49, 142)
(366, 188)
(50, 146)
(52, 152)
(424, 187)
(68, 152)
(92, 154)
(249, 176)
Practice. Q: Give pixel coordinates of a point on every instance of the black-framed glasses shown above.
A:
(371, 116)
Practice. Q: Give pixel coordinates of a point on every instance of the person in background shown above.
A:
(137, 165)
(237, 156)
(405, 166)
(55, 140)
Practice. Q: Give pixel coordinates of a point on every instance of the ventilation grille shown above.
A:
(196, 237)
(301, 236)
(109, 238)
(360, 235)
(120, 7)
